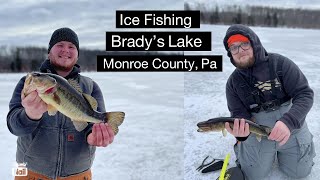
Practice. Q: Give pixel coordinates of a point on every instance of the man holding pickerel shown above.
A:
(51, 144)
(270, 90)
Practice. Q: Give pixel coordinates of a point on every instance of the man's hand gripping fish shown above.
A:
(218, 124)
(67, 97)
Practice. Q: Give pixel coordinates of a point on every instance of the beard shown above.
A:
(244, 64)
(60, 66)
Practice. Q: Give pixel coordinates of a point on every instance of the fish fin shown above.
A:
(91, 100)
(267, 129)
(115, 129)
(258, 137)
(74, 83)
(79, 125)
(52, 110)
(224, 132)
(115, 119)
(56, 98)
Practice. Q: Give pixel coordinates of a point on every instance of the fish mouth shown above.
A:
(203, 126)
(44, 83)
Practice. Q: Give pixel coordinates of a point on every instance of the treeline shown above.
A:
(257, 16)
(27, 59)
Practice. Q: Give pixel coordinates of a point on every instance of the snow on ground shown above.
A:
(150, 141)
(204, 96)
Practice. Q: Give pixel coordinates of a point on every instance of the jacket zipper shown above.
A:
(60, 150)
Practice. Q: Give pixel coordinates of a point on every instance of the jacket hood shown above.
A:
(259, 53)
(46, 67)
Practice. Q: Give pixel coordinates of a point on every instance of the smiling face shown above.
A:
(63, 56)
(244, 58)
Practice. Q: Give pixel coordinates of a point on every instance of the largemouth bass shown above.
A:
(67, 98)
(218, 124)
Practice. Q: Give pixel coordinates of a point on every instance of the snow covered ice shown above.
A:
(156, 141)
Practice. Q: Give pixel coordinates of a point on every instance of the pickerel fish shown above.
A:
(218, 124)
(67, 97)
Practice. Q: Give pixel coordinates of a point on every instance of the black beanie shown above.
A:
(63, 34)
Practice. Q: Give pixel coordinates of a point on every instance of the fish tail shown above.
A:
(114, 119)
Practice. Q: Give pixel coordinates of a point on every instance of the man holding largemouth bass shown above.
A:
(270, 90)
(59, 115)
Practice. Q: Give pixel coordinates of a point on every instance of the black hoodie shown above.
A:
(294, 83)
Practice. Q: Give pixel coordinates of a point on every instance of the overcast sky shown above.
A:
(31, 22)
